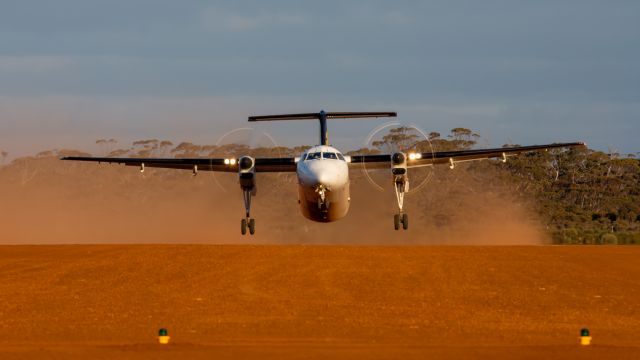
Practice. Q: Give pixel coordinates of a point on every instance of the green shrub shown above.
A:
(609, 239)
(570, 236)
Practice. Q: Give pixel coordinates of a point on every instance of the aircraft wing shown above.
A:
(196, 164)
(452, 157)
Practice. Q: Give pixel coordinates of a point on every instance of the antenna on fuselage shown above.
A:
(323, 116)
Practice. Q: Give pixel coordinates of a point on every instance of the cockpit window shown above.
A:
(314, 156)
(341, 157)
(330, 155)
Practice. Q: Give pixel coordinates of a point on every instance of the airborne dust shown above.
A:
(46, 201)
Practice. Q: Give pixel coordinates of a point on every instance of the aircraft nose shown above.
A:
(326, 179)
(321, 173)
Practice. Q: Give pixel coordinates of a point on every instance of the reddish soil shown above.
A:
(291, 302)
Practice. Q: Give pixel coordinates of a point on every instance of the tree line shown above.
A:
(581, 195)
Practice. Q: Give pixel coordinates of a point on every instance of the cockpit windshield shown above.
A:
(323, 155)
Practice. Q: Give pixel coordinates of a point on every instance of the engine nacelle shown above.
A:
(399, 163)
(399, 170)
(247, 173)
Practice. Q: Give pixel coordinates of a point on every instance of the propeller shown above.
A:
(394, 137)
(243, 141)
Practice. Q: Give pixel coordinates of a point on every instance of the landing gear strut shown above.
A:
(401, 187)
(247, 177)
(247, 222)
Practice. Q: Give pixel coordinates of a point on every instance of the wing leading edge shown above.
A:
(289, 164)
(196, 164)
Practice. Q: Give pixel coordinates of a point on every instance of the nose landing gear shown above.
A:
(323, 201)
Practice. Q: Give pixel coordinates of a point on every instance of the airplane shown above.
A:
(323, 171)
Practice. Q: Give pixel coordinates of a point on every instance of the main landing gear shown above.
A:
(401, 187)
(248, 222)
(247, 177)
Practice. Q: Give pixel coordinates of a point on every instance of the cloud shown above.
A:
(219, 19)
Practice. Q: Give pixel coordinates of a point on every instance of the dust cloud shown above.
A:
(45, 201)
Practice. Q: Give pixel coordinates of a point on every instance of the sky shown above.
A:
(525, 72)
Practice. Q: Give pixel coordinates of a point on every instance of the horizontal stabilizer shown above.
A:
(327, 115)
(323, 116)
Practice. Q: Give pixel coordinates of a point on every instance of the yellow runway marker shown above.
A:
(163, 336)
(585, 337)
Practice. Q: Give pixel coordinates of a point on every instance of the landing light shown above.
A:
(415, 156)
(229, 161)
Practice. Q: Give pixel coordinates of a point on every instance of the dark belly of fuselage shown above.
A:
(335, 208)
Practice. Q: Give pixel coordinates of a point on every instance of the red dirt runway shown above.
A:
(294, 302)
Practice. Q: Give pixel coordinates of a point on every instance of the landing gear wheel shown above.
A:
(252, 226)
(396, 221)
(243, 226)
(405, 221)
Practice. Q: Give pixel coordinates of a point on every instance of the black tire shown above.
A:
(243, 226)
(405, 221)
(396, 221)
(252, 226)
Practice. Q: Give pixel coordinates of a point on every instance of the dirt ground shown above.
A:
(318, 302)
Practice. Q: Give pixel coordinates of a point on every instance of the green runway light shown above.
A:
(163, 336)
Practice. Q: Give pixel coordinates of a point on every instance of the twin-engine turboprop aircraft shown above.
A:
(323, 171)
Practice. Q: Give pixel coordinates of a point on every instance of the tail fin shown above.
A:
(323, 116)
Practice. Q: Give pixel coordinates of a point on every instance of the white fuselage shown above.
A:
(323, 184)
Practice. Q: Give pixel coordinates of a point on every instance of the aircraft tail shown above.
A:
(322, 116)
